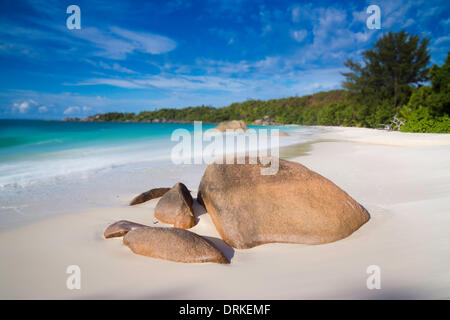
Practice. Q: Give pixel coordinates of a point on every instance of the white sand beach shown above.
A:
(403, 180)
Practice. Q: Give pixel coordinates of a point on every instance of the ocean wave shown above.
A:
(85, 162)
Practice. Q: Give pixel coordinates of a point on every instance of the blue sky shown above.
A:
(130, 56)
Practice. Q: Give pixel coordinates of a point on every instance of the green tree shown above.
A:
(428, 109)
(440, 84)
(397, 62)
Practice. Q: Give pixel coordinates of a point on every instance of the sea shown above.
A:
(54, 167)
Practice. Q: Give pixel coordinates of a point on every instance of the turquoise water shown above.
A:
(49, 168)
(27, 138)
(32, 150)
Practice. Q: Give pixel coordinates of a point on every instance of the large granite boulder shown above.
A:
(120, 228)
(175, 207)
(149, 195)
(295, 205)
(172, 244)
(231, 125)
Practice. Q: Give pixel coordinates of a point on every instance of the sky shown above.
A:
(130, 56)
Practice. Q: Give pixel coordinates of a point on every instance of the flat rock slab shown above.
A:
(173, 244)
(295, 205)
(120, 228)
(149, 195)
(175, 207)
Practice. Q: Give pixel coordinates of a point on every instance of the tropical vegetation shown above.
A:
(392, 87)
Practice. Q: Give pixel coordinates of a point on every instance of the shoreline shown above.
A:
(402, 182)
(67, 181)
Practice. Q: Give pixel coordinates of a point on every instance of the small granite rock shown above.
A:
(175, 207)
(149, 195)
(173, 244)
(120, 228)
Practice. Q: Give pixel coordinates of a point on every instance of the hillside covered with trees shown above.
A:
(394, 81)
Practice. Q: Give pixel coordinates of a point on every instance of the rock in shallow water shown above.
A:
(149, 195)
(120, 228)
(231, 125)
(172, 244)
(296, 205)
(175, 207)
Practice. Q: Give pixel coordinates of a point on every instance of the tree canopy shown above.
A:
(397, 62)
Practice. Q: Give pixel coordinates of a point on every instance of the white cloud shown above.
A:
(115, 67)
(286, 83)
(119, 42)
(301, 13)
(296, 14)
(42, 109)
(23, 107)
(268, 65)
(193, 83)
(359, 16)
(332, 17)
(408, 23)
(441, 40)
(146, 42)
(121, 83)
(299, 35)
(57, 103)
(362, 36)
(72, 110)
(393, 12)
